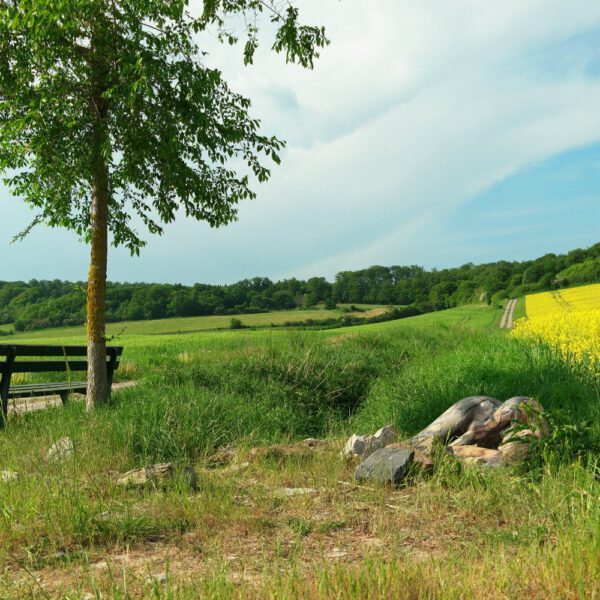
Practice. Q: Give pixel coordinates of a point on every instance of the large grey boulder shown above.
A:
(361, 446)
(456, 421)
(490, 430)
(387, 466)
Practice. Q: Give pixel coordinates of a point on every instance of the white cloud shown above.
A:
(414, 108)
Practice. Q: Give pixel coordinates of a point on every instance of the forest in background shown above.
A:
(41, 304)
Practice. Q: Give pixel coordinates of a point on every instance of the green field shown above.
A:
(531, 531)
(192, 324)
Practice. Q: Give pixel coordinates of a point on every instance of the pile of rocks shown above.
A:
(476, 430)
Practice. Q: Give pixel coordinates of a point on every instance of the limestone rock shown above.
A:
(516, 444)
(455, 421)
(476, 455)
(313, 442)
(8, 476)
(60, 450)
(361, 446)
(489, 431)
(287, 492)
(387, 466)
(157, 475)
(514, 452)
(421, 460)
(234, 468)
(222, 457)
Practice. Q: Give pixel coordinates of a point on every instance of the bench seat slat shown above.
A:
(42, 389)
(48, 386)
(48, 366)
(41, 350)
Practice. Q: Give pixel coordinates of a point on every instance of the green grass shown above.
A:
(184, 324)
(190, 324)
(529, 532)
(520, 309)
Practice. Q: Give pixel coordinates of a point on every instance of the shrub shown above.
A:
(235, 324)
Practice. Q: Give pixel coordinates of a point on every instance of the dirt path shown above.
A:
(26, 405)
(507, 317)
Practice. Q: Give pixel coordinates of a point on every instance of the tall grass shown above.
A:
(199, 393)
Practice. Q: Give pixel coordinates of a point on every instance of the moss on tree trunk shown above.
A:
(97, 390)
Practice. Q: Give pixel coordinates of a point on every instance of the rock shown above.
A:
(361, 446)
(476, 455)
(421, 460)
(288, 492)
(355, 446)
(514, 434)
(158, 474)
(150, 474)
(385, 466)
(8, 476)
(160, 578)
(313, 442)
(455, 421)
(60, 450)
(336, 553)
(234, 468)
(516, 444)
(514, 452)
(488, 432)
(222, 457)
(304, 449)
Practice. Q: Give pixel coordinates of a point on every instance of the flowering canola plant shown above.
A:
(568, 322)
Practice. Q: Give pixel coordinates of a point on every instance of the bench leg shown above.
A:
(5, 386)
(4, 413)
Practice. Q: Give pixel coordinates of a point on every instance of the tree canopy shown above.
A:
(108, 113)
(174, 132)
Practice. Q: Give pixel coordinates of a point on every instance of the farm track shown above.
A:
(507, 317)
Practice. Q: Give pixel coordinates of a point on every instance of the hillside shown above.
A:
(264, 523)
(44, 304)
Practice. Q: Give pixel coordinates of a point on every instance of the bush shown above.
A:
(235, 324)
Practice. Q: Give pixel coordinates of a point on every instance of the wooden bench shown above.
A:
(47, 359)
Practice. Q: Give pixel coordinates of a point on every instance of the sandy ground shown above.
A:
(507, 317)
(25, 405)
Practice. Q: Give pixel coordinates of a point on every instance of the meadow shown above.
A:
(180, 325)
(206, 398)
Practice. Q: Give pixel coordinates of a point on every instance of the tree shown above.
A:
(107, 113)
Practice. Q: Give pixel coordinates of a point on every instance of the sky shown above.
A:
(430, 132)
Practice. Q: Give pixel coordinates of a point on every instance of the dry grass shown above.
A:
(246, 538)
(67, 529)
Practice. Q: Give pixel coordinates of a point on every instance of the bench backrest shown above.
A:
(66, 358)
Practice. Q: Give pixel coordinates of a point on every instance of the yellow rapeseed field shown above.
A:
(568, 321)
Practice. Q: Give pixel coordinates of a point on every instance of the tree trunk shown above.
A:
(97, 390)
(97, 387)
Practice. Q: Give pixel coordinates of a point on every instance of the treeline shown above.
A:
(39, 304)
